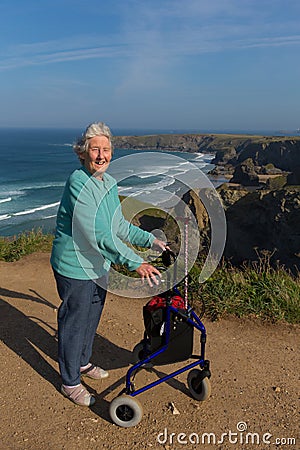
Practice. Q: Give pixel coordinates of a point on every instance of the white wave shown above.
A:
(13, 192)
(40, 208)
(208, 157)
(156, 171)
(4, 216)
(4, 200)
(43, 186)
(155, 197)
(200, 165)
(163, 183)
(168, 169)
(61, 145)
(176, 171)
(21, 191)
(143, 175)
(49, 217)
(119, 173)
(147, 188)
(125, 188)
(199, 155)
(150, 170)
(147, 165)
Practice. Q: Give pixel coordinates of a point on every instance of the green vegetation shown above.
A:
(253, 290)
(12, 249)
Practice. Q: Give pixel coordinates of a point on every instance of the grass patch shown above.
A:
(252, 290)
(13, 248)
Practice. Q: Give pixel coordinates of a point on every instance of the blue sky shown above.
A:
(156, 64)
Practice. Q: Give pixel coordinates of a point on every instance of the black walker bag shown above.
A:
(180, 346)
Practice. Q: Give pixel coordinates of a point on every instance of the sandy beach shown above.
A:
(255, 378)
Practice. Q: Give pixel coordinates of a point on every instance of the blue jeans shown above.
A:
(78, 318)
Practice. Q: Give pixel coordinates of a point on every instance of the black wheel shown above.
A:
(138, 354)
(199, 388)
(125, 411)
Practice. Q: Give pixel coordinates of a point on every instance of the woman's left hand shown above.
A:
(161, 245)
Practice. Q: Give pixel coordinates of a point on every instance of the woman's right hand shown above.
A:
(149, 272)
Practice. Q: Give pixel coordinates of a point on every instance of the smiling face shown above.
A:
(98, 156)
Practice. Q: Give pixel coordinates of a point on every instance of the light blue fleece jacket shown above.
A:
(91, 229)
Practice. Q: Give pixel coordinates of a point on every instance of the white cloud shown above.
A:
(57, 51)
(154, 34)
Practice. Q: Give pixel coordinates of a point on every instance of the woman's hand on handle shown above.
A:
(149, 272)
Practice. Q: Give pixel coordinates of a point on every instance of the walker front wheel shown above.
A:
(200, 388)
(125, 411)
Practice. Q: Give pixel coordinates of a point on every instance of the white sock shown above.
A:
(85, 367)
(70, 387)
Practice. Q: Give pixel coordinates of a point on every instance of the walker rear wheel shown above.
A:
(138, 354)
(200, 388)
(125, 411)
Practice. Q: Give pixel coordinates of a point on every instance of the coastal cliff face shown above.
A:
(265, 221)
(166, 142)
(283, 155)
(209, 143)
(282, 152)
(257, 222)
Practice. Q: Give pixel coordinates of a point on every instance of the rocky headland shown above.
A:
(261, 224)
(246, 159)
(262, 196)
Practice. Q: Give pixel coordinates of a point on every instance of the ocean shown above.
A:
(35, 164)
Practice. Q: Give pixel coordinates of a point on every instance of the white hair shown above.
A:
(92, 130)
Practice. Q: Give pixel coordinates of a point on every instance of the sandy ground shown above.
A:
(255, 379)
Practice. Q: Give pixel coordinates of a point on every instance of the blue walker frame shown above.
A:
(191, 317)
(124, 409)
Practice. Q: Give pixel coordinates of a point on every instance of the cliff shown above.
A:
(231, 151)
(209, 143)
(262, 210)
(270, 156)
(257, 222)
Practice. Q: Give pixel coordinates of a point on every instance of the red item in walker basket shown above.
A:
(160, 302)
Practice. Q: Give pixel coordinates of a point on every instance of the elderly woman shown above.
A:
(90, 235)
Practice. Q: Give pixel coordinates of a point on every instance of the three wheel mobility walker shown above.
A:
(168, 338)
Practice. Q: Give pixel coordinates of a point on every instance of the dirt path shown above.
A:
(255, 379)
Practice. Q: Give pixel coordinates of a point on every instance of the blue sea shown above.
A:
(35, 164)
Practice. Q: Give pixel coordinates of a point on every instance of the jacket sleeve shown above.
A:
(129, 232)
(94, 240)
